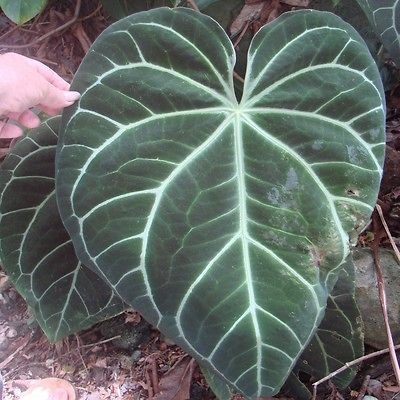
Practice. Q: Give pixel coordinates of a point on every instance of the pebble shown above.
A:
(3, 342)
(11, 333)
(12, 294)
(136, 356)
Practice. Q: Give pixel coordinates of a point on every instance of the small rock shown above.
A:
(12, 294)
(11, 333)
(367, 397)
(367, 297)
(136, 356)
(3, 342)
(374, 388)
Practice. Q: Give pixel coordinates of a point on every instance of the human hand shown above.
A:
(27, 83)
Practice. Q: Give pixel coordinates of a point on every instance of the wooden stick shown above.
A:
(244, 30)
(383, 299)
(11, 356)
(389, 235)
(238, 77)
(193, 4)
(349, 365)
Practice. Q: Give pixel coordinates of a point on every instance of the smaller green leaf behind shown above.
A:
(21, 11)
(384, 15)
(36, 250)
(339, 339)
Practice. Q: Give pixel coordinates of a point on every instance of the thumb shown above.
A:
(56, 98)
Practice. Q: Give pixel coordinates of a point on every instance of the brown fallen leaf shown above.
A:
(255, 12)
(46, 389)
(249, 13)
(393, 389)
(175, 383)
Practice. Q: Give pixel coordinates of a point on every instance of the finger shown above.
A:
(51, 76)
(9, 131)
(4, 152)
(56, 98)
(49, 110)
(29, 119)
(26, 118)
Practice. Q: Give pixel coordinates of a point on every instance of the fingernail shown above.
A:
(72, 96)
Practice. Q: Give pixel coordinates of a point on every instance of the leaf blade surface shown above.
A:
(192, 211)
(384, 16)
(36, 250)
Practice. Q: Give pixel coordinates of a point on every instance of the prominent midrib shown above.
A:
(67, 300)
(239, 155)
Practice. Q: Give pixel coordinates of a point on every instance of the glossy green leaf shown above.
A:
(338, 340)
(36, 250)
(225, 224)
(385, 17)
(21, 11)
(219, 387)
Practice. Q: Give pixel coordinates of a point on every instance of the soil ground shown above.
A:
(98, 367)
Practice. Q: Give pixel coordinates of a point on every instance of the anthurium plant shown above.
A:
(226, 222)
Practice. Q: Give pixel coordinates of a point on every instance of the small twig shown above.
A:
(92, 14)
(382, 297)
(389, 235)
(349, 365)
(395, 396)
(23, 366)
(78, 341)
(101, 342)
(238, 77)
(154, 376)
(62, 355)
(363, 387)
(383, 301)
(1, 386)
(148, 384)
(240, 37)
(48, 34)
(82, 37)
(14, 28)
(84, 346)
(193, 4)
(11, 356)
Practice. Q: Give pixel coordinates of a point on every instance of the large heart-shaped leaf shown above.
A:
(36, 250)
(384, 16)
(224, 223)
